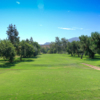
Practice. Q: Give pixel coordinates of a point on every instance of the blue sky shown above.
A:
(46, 19)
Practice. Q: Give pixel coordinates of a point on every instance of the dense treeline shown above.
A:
(86, 46)
(44, 50)
(12, 46)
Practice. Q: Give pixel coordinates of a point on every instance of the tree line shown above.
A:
(12, 46)
(88, 45)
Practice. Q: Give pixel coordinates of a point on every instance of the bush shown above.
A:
(7, 50)
(26, 49)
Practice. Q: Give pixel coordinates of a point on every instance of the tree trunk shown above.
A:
(81, 56)
(21, 58)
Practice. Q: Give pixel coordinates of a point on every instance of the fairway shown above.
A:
(50, 77)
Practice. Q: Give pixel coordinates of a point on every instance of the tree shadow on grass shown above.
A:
(96, 58)
(7, 64)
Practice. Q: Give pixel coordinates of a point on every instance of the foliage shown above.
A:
(44, 49)
(13, 34)
(7, 50)
(95, 42)
(85, 45)
(58, 44)
(64, 43)
(26, 49)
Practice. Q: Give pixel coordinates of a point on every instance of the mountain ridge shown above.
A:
(70, 40)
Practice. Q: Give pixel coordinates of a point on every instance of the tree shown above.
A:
(43, 50)
(95, 42)
(85, 46)
(27, 40)
(64, 42)
(53, 48)
(74, 47)
(36, 45)
(26, 49)
(7, 50)
(69, 48)
(31, 40)
(78, 49)
(58, 44)
(12, 34)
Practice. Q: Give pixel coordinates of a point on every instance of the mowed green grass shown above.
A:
(50, 77)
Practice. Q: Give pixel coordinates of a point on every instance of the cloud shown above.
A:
(73, 28)
(66, 28)
(17, 2)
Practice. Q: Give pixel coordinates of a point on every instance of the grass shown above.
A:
(50, 77)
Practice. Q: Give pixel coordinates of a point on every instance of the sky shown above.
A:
(46, 19)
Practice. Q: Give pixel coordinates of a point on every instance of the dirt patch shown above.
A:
(95, 67)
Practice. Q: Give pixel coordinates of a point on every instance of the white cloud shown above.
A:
(66, 28)
(17, 2)
(73, 28)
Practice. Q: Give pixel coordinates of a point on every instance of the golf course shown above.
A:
(50, 77)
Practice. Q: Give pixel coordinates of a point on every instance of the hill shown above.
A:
(74, 39)
(70, 40)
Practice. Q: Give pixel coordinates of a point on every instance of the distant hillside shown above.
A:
(70, 40)
(73, 39)
(47, 43)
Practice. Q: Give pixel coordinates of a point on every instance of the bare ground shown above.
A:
(95, 67)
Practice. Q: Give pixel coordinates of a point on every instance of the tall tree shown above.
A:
(95, 42)
(53, 48)
(12, 34)
(58, 44)
(31, 40)
(64, 42)
(7, 50)
(69, 48)
(26, 49)
(85, 45)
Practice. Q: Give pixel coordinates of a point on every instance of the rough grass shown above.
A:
(50, 77)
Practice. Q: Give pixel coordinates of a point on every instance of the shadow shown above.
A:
(96, 58)
(32, 57)
(7, 64)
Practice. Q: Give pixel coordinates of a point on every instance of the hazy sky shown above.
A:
(46, 19)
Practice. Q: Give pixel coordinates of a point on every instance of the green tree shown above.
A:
(78, 49)
(58, 44)
(74, 47)
(26, 49)
(69, 48)
(95, 42)
(85, 46)
(37, 46)
(12, 34)
(7, 50)
(31, 40)
(64, 42)
(53, 48)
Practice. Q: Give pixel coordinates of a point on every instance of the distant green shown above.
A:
(50, 77)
